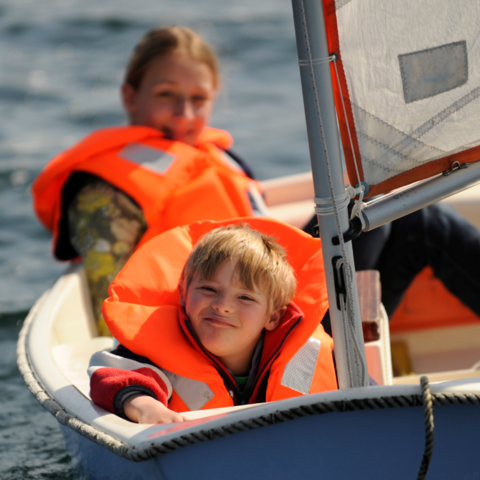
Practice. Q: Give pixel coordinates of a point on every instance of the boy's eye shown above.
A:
(207, 288)
(246, 297)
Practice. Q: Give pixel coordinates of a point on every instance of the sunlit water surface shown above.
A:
(61, 63)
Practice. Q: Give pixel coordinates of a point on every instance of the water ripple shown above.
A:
(61, 63)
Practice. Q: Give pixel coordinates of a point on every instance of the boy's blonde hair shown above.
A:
(167, 40)
(261, 262)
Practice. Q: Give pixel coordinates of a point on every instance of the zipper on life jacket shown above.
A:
(268, 363)
(226, 377)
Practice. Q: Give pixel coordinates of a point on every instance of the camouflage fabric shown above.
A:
(105, 226)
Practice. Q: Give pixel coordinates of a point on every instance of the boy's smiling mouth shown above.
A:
(217, 321)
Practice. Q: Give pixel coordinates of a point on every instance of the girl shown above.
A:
(120, 186)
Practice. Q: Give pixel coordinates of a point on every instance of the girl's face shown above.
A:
(175, 96)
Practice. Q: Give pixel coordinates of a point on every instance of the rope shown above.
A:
(323, 206)
(346, 119)
(429, 427)
(357, 209)
(152, 450)
(51, 405)
(316, 61)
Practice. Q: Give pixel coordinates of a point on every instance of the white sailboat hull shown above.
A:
(363, 445)
(363, 433)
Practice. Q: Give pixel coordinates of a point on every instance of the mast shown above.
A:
(331, 212)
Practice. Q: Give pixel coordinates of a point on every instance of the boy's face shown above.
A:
(227, 318)
(175, 96)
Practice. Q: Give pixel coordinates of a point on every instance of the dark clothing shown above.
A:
(102, 225)
(435, 236)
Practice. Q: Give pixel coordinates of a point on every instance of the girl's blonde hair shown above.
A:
(165, 41)
(260, 262)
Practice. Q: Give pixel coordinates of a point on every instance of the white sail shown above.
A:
(409, 74)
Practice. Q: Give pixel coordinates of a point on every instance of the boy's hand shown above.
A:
(144, 409)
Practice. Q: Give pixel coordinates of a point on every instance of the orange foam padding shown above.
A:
(428, 304)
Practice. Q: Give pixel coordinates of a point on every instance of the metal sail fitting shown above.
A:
(354, 231)
(340, 283)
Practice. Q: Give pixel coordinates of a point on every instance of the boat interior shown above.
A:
(431, 333)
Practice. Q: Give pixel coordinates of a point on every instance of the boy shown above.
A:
(231, 335)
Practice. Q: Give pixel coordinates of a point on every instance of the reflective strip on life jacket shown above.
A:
(148, 157)
(310, 370)
(193, 393)
(298, 373)
(173, 183)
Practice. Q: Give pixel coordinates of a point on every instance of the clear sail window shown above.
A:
(433, 71)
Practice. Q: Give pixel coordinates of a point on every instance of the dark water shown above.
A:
(61, 63)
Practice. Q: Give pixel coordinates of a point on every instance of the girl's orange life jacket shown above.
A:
(173, 183)
(143, 313)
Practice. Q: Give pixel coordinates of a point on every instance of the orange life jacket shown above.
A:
(173, 183)
(142, 312)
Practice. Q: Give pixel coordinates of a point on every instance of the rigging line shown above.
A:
(347, 305)
(346, 321)
(323, 206)
(316, 61)
(357, 209)
(349, 321)
(348, 268)
(322, 138)
(344, 301)
(345, 318)
(351, 329)
(346, 119)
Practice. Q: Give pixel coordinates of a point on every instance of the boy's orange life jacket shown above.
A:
(173, 183)
(142, 312)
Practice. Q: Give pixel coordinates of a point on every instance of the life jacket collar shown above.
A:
(273, 342)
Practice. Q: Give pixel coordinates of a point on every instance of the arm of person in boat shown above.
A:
(120, 384)
(255, 196)
(145, 409)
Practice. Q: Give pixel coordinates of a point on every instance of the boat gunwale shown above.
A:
(150, 441)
